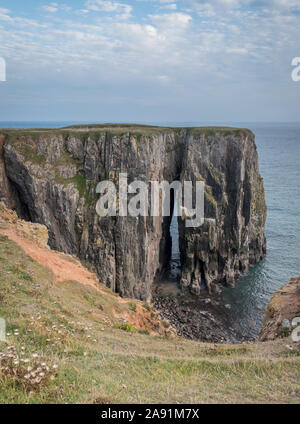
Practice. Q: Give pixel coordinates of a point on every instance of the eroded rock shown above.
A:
(53, 175)
(282, 308)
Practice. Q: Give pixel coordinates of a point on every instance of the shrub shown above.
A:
(147, 307)
(125, 326)
(132, 306)
(146, 332)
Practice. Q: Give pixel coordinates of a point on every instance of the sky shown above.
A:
(149, 60)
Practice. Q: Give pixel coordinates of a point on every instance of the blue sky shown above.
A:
(150, 60)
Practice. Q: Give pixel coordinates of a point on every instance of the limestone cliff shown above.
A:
(232, 237)
(50, 177)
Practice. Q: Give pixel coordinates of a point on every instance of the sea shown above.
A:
(278, 147)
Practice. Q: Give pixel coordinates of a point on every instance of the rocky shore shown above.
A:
(205, 318)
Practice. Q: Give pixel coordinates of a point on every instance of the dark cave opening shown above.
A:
(174, 263)
(19, 202)
(169, 247)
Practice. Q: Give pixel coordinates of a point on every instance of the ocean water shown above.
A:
(279, 158)
(278, 147)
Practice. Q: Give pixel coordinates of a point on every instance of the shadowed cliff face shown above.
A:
(232, 237)
(52, 175)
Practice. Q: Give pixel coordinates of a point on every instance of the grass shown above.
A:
(69, 327)
(86, 189)
(125, 327)
(30, 154)
(147, 306)
(95, 131)
(224, 131)
(132, 306)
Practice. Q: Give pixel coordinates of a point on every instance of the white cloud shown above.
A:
(4, 11)
(237, 50)
(170, 20)
(213, 6)
(109, 6)
(286, 3)
(82, 12)
(170, 50)
(171, 6)
(163, 78)
(5, 16)
(52, 8)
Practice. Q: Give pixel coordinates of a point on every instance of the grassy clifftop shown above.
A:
(71, 342)
(120, 129)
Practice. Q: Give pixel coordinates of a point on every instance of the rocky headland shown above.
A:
(63, 321)
(49, 177)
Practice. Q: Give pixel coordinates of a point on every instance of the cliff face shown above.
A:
(51, 178)
(282, 308)
(232, 237)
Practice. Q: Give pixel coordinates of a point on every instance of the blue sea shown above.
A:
(279, 158)
(278, 147)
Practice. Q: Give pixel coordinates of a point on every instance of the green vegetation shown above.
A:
(259, 203)
(29, 151)
(145, 332)
(86, 189)
(224, 131)
(61, 350)
(95, 131)
(132, 306)
(125, 326)
(80, 182)
(147, 306)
